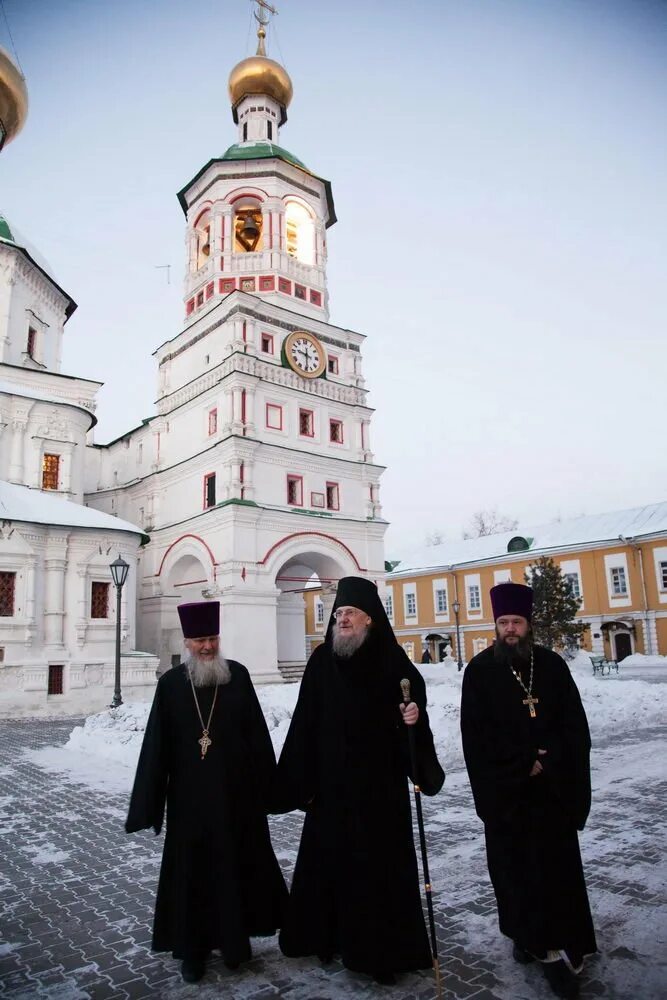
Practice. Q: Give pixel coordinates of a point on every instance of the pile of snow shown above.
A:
(634, 698)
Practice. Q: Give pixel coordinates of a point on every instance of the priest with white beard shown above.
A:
(207, 754)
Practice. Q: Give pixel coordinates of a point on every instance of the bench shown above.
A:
(602, 665)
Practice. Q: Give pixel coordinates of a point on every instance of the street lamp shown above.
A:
(457, 607)
(119, 570)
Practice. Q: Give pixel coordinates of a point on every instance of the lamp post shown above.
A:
(119, 570)
(457, 607)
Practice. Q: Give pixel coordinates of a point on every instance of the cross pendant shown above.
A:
(531, 702)
(205, 741)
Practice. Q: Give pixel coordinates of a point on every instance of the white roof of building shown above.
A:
(571, 533)
(20, 503)
(18, 389)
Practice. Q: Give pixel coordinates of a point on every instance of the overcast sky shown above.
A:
(499, 174)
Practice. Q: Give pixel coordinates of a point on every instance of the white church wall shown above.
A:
(32, 302)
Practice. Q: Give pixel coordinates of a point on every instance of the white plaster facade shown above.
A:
(52, 548)
(229, 406)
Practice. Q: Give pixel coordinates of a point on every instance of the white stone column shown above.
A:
(250, 410)
(55, 564)
(16, 453)
(227, 411)
(227, 213)
(237, 425)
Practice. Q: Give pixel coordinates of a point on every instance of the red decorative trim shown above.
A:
(249, 282)
(295, 479)
(247, 194)
(243, 399)
(311, 414)
(315, 297)
(273, 406)
(227, 285)
(335, 494)
(317, 534)
(333, 421)
(188, 535)
(332, 364)
(284, 286)
(267, 283)
(204, 210)
(189, 307)
(200, 298)
(299, 292)
(269, 338)
(209, 290)
(207, 477)
(213, 420)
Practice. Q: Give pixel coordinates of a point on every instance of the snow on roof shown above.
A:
(18, 389)
(575, 531)
(20, 503)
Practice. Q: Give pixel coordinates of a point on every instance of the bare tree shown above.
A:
(489, 522)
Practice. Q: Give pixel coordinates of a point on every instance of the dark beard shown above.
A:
(517, 655)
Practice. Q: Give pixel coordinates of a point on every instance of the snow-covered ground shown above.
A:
(634, 698)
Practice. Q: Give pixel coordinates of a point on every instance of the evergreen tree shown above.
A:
(554, 607)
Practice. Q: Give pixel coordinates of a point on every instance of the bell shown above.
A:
(249, 230)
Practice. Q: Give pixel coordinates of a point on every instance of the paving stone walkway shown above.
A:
(76, 894)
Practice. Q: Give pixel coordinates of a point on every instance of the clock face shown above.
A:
(305, 354)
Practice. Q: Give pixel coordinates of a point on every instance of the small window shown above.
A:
(209, 490)
(274, 417)
(663, 576)
(269, 131)
(336, 431)
(619, 585)
(572, 580)
(213, 421)
(99, 600)
(474, 598)
(332, 365)
(295, 491)
(267, 343)
(389, 605)
(56, 672)
(32, 342)
(441, 602)
(332, 496)
(50, 472)
(319, 612)
(7, 589)
(200, 298)
(410, 605)
(245, 131)
(306, 423)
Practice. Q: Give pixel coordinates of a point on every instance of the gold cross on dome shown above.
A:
(261, 15)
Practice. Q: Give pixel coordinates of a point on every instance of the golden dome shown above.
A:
(260, 75)
(13, 99)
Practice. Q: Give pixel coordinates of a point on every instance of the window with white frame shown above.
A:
(319, 611)
(410, 605)
(474, 597)
(662, 569)
(572, 580)
(389, 604)
(619, 584)
(441, 602)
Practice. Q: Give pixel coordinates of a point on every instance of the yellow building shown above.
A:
(615, 563)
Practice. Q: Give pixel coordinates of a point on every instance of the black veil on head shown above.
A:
(356, 592)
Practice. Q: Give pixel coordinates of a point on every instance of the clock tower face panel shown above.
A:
(304, 354)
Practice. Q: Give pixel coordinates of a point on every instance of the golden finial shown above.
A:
(262, 17)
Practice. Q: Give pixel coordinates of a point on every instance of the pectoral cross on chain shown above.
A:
(205, 740)
(530, 701)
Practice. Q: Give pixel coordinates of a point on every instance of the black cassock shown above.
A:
(220, 882)
(531, 823)
(355, 890)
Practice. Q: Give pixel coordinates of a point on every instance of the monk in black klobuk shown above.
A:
(345, 761)
(527, 746)
(208, 754)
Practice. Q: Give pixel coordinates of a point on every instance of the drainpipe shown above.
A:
(648, 645)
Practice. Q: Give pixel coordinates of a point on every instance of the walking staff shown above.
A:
(405, 688)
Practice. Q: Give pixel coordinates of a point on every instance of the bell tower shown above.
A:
(262, 476)
(257, 216)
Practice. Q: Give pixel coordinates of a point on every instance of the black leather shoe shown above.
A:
(562, 981)
(385, 978)
(520, 955)
(193, 969)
